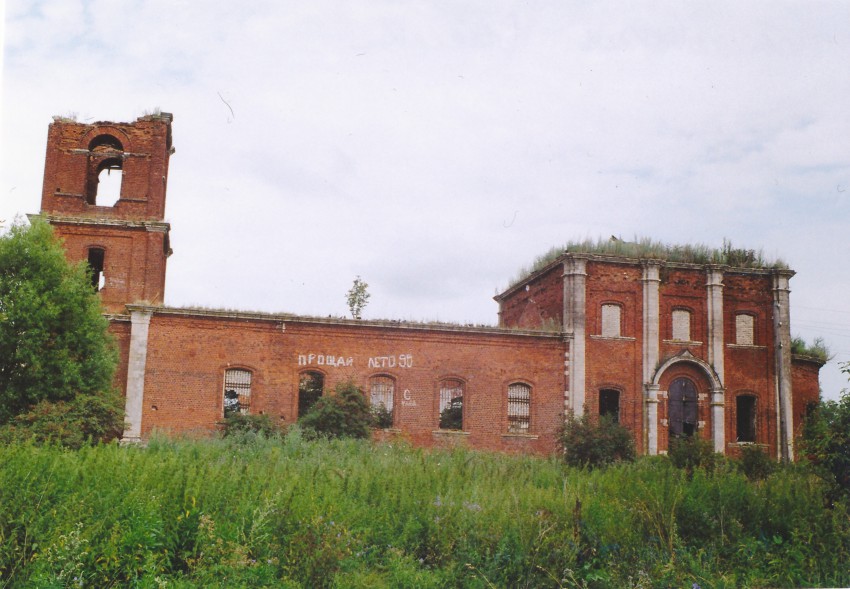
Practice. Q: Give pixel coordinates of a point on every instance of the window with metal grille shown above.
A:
(237, 391)
(611, 320)
(745, 329)
(451, 404)
(381, 389)
(310, 388)
(745, 418)
(609, 404)
(682, 325)
(381, 394)
(519, 408)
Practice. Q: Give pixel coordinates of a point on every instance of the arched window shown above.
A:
(682, 411)
(105, 142)
(381, 394)
(745, 418)
(609, 404)
(745, 329)
(237, 391)
(681, 325)
(611, 319)
(106, 168)
(451, 404)
(311, 386)
(519, 408)
(97, 256)
(109, 178)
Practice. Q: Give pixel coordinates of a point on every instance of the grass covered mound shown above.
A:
(285, 512)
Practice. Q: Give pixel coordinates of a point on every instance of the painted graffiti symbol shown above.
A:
(340, 361)
(407, 399)
(400, 361)
(324, 360)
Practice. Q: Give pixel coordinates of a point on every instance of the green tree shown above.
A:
(344, 415)
(57, 358)
(357, 297)
(826, 440)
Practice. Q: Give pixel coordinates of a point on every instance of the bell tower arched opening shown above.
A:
(105, 171)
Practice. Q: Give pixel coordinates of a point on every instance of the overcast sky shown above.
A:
(435, 148)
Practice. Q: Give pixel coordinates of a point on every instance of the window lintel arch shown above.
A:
(611, 386)
(247, 367)
(745, 393)
(112, 162)
(687, 358)
(451, 376)
(108, 136)
(612, 303)
(106, 142)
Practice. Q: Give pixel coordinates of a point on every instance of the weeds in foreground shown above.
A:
(287, 512)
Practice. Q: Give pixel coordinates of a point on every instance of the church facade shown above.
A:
(665, 348)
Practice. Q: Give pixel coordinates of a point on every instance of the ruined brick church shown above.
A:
(665, 348)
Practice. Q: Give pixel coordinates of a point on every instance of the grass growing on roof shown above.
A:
(646, 248)
(817, 349)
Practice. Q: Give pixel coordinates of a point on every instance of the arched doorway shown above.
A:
(682, 408)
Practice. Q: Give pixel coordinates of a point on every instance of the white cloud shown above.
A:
(436, 148)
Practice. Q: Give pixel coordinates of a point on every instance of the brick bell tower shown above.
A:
(104, 195)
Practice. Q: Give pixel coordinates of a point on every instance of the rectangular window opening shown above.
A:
(744, 330)
(681, 325)
(609, 404)
(519, 408)
(237, 391)
(611, 320)
(745, 411)
(96, 259)
(381, 393)
(451, 405)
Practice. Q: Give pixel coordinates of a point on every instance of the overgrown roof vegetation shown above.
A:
(648, 249)
(817, 349)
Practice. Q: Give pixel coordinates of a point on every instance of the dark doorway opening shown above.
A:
(682, 414)
(609, 404)
(310, 389)
(745, 418)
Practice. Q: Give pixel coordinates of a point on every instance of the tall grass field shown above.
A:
(287, 512)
